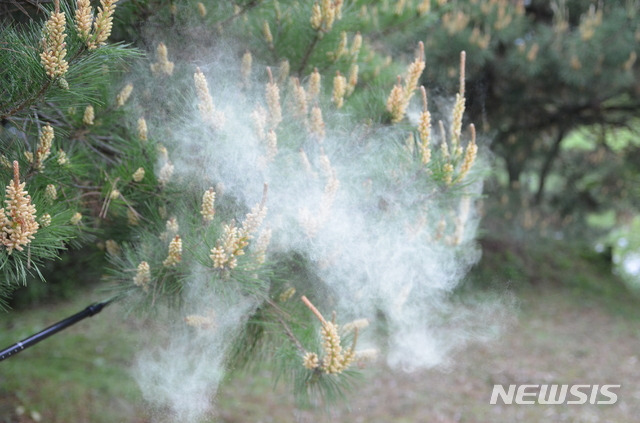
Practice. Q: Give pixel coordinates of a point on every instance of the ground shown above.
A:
(554, 335)
(557, 338)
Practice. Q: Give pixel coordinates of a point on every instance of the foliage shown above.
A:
(163, 140)
(160, 154)
(540, 72)
(55, 175)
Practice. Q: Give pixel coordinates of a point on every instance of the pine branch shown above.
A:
(307, 53)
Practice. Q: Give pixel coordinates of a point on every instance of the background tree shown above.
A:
(545, 74)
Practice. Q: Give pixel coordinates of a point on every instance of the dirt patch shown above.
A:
(557, 338)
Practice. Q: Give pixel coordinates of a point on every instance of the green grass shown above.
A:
(79, 374)
(574, 269)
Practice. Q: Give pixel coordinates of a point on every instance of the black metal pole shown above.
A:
(53, 329)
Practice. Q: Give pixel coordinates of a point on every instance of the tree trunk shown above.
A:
(546, 166)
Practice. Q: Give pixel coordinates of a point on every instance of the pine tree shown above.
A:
(541, 75)
(236, 167)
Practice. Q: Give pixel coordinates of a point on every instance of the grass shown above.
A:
(575, 269)
(79, 374)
